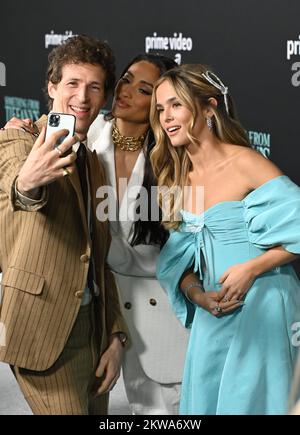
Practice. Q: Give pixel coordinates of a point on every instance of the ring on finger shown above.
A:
(66, 172)
(217, 309)
(58, 150)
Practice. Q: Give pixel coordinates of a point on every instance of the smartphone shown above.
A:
(59, 121)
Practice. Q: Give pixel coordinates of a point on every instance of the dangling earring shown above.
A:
(209, 123)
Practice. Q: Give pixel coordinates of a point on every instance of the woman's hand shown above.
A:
(236, 281)
(209, 301)
(21, 124)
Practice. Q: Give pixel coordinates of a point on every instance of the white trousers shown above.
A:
(145, 396)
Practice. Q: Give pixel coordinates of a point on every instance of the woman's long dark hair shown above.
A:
(150, 231)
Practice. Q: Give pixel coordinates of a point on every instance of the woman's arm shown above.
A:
(26, 124)
(192, 289)
(139, 260)
(238, 279)
(274, 257)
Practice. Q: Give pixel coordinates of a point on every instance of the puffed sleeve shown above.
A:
(272, 213)
(175, 258)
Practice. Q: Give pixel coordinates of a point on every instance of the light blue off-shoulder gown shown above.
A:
(240, 363)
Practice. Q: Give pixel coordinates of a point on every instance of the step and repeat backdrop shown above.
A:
(254, 45)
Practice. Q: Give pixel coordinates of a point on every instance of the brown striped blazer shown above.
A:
(44, 257)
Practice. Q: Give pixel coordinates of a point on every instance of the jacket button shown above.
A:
(152, 301)
(79, 294)
(84, 258)
(127, 305)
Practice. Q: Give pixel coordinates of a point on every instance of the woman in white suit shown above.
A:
(153, 363)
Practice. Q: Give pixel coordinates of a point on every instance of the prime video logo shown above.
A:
(2, 74)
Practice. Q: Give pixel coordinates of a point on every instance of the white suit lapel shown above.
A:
(100, 140)
(126, 215)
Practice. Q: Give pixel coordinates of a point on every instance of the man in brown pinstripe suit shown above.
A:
(60, 322)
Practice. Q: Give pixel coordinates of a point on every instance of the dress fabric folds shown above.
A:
(241, 363)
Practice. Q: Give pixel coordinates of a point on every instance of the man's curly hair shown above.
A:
(80, 49)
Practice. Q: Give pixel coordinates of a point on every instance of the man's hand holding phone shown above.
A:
(46, 162)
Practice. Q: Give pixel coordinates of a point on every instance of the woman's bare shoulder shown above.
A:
(257, 168)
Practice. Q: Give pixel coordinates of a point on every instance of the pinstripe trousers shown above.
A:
(67, 387)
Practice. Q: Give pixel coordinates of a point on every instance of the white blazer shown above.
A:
(159, 339)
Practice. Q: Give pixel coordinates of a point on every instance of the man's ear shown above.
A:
(51, 89)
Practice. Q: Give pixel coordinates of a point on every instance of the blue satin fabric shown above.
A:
(241, 363)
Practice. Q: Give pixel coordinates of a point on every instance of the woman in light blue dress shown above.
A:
(226, 267)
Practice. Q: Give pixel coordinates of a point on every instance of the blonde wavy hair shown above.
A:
(171, 165)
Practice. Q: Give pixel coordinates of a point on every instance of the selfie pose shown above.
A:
(62, 328)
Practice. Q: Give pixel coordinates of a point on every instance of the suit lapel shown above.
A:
(103, 146)
(101, 142)
(91, 170)
(40, 123)
(96, 179)
(127, 207)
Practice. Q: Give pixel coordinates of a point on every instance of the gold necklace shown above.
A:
(127, 143)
